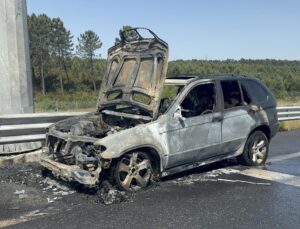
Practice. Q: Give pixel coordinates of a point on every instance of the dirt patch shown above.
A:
(290, 125)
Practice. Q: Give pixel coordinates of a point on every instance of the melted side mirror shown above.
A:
(254, 108)
(178, 115)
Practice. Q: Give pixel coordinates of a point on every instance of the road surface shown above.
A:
(223, 195)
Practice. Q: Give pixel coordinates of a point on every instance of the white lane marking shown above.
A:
(284, 157)
(243, 181)
(21, 219)
(272, 176)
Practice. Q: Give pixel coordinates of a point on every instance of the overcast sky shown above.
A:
(194, 29)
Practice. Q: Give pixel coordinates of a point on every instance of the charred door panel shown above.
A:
(200, 139)
(236, 126)
(170, 135)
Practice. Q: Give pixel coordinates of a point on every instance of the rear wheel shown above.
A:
(133, 171)
(256, 150)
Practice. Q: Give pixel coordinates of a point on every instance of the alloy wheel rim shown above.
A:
(134, 171)
(258, 151)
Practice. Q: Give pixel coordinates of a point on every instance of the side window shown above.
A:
(199, 101)
(231, 93)
(247, 99)
(256, 90)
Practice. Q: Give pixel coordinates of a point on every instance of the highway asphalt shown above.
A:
(222, 195)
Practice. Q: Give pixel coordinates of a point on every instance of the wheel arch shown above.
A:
(153, 153)
(263, 128)
(244, 160)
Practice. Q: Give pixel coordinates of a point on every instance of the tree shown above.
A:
(130, 35)
(39, 28)
(62, 47)
(56, 70)
(88, 43)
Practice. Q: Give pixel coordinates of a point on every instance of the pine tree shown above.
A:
(62, 46)
(88, 43)
(130, 35)
(39, 28)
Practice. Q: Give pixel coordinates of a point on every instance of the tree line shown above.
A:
(59, 67)
(281, 76)
(56, 64)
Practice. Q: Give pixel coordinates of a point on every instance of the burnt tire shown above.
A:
(256, 150)
(133, 171)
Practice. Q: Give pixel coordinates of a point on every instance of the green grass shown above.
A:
(289, 101)
(86, 101)
(83, 101)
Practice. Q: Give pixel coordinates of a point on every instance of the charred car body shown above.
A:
(148, 125)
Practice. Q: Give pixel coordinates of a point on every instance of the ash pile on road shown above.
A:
(52, 189)
(107, 194)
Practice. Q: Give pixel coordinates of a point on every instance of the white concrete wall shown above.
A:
(15, 71)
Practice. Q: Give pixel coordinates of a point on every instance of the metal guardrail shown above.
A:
(32, 127)
(288, 113)
(18, 128)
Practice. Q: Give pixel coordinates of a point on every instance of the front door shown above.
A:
(200, 126)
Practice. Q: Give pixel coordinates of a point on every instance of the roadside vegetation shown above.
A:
(289, 125)
(68, 77)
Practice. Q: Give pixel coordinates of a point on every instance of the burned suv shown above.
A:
(146, 125)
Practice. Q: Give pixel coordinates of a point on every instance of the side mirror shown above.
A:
(254, 108)
(178, 115)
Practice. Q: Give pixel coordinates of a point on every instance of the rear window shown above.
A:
(257, 91)
(231, 93)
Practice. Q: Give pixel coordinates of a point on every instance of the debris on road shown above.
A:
(49, 200)
(207, 176)
(53, 189)
(53, 184)
(107, 194)
(23, 196)
(19, 192)
(212, 176)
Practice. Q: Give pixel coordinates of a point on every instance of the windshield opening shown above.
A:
(169, 94)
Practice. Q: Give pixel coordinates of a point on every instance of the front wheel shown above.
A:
(133, 171)
(256, 150)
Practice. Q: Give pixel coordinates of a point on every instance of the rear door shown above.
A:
(237, 120)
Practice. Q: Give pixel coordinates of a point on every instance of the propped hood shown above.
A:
(135, 72)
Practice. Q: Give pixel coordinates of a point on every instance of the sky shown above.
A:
(194, 29)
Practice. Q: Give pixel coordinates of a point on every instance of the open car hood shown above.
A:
(135, 73)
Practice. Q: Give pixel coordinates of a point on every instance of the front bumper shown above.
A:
(70, 172)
